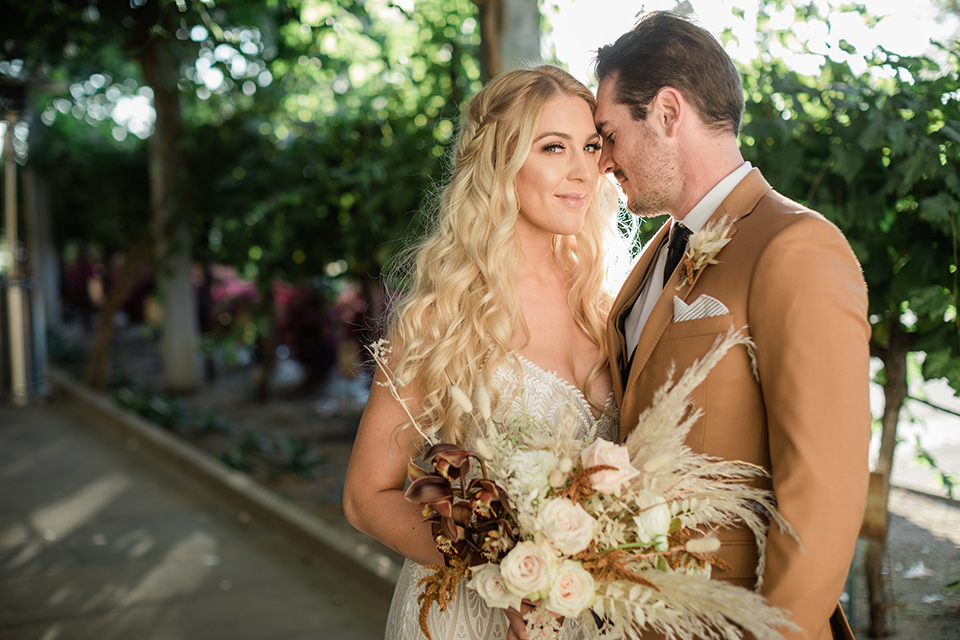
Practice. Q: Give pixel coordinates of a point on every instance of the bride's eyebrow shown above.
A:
(560, 134)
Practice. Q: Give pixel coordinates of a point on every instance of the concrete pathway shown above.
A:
(99, 542)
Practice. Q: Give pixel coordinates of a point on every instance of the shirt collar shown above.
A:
(698, 216)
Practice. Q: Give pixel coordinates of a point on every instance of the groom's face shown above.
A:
(635, 154)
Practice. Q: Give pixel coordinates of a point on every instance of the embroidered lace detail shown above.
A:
(541, 393)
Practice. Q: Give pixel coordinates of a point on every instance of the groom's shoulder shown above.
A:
(777, 223)
(777, 213)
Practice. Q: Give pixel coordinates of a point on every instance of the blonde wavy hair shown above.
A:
(455, 322)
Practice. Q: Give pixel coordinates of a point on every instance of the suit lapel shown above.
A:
(629, 292)
(659, 318)
(737, 205)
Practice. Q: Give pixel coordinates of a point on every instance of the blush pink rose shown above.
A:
(573, 590)
(566, 525)
(605, 453)
(488, 582)
(528, 569)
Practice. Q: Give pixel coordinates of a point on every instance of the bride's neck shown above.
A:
(540, 268)
(538, 261)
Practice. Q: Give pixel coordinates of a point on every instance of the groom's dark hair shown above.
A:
(667, 50)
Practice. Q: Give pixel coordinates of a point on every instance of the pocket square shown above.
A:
(703, 307)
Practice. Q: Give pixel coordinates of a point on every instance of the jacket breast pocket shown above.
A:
(699, 327)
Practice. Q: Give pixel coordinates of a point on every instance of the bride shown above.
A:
(507, 291)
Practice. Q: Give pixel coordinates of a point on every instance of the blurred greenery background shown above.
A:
(236, 174)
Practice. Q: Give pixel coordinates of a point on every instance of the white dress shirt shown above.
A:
(694, 220)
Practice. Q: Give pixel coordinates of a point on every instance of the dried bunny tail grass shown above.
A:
(668, 419)
(687, 607)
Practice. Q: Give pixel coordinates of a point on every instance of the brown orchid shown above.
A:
(432, 491)
(449, 460)
(472, 522)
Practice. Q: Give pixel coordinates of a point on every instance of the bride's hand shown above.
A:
(518, 626)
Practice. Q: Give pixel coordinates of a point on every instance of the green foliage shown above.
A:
(252, 442)
(329, 123)
(948, 6)
(235, 458)
(171, 414)
(365, 101)
(250, 449)
(947, 479)
(311, 129)
(877, 153)
(98, 187)
(296, 455)
(64, 351)
(210, 421)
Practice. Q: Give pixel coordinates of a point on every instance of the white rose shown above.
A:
(488, 582)
(566, 525)
(528, 569)
(605, 453)
(653, 519)
(531, 469)
(573, 590)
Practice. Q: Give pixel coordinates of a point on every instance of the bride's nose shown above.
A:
(581, 166)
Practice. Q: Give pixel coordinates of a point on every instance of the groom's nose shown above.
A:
(607, 165)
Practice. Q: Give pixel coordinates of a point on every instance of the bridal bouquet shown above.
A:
(622, 537)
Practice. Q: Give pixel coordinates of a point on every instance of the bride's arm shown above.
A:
(373, 499)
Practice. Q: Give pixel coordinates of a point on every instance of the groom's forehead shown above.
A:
(607, 87)
(609, 109)
(605, 98)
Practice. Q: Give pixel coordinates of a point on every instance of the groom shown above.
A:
(669, 108)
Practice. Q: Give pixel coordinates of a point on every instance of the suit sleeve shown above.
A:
(808, 317)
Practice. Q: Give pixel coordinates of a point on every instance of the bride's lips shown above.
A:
(573, 199)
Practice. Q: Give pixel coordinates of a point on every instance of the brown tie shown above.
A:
(678, 244)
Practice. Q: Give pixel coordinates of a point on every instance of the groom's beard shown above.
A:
(652, 179)
(649, 205)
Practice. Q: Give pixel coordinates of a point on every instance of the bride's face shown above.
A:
(559, 178)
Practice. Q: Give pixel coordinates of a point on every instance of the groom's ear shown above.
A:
(667, 111)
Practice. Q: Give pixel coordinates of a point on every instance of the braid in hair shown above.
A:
(455, 324)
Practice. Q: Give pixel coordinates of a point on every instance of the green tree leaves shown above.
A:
(879, 157)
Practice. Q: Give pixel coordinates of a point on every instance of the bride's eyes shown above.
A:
(558, 147)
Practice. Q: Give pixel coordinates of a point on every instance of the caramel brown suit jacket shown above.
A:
(788, 276)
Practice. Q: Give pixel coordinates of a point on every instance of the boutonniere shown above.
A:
(702, 247)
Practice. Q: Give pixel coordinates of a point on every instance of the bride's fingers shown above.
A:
(518, 627)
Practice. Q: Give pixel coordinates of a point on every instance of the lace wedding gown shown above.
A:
(467, 617)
